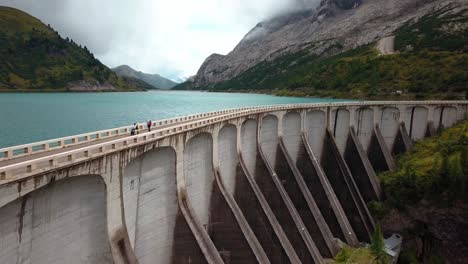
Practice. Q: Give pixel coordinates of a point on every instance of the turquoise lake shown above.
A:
(31, 117)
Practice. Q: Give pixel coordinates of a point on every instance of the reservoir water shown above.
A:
(31, 117)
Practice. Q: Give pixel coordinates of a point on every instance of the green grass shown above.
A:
(354, 255)
(435, 169)
(35, 57)
(430, 32)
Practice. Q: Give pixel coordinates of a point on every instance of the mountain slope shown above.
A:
(35, 58)
(155, 80)
(330, 52)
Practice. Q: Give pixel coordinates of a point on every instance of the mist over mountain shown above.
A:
(333, 47)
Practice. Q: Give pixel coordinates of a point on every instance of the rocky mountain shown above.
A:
(155, 80)
(277, 52)
(34, 57)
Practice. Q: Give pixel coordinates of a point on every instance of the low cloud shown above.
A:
(169, 37)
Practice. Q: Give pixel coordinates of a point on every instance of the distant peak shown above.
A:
(124, 66)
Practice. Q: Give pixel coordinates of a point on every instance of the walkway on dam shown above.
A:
(33, 156)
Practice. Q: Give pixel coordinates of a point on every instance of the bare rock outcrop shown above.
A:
(332, 27)
(85, 86)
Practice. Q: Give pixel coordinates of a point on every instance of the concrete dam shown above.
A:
(273, 184)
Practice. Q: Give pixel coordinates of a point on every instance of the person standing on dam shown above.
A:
(149, 124)
(134, 130)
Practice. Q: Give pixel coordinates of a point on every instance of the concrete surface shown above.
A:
(315, 128)
(221, 189)
(64, 222)
(340, 128)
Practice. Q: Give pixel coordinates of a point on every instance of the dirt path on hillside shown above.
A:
(386, 46)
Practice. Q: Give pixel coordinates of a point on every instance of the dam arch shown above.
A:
(292, 133)
(364, 125)
(269, 137)
(198, 173)
(340, 127)
(315, 126)
(156, 227)
(227, 156)
(416, 120)
(444, 116)
(69, 215)
(249, 142)
(389, 125)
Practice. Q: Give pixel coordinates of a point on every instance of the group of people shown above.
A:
(136, 127)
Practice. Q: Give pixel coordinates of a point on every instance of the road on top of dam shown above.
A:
(38, 155)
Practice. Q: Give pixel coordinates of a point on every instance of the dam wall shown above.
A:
(277, 184)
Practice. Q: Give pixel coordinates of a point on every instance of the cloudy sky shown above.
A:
(169, 37)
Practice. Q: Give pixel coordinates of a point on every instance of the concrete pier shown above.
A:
(273, 184)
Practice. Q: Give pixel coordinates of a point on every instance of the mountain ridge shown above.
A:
(331, 29)
(35, 58)
(155, 80)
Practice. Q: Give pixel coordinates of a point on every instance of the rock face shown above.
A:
(334, 26)
(84, 86)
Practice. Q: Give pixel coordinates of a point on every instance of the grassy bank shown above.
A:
(426, 199)
(436, 169)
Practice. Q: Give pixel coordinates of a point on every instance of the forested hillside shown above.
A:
(34, 57)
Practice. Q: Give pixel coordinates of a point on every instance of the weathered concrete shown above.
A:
(199, 177)
(361, 169)
(389, 124)
(152, 214)
(227, 157)
(444, 116)
(365, 126)
(254, 205)
(327, 201)
(289, 219)
(315, 127)
(340, 128)
(342, 181)
(380, 148)
(305, 205)
(291, 142)
(277, 197)
(269, 138)
(213, 188)
(402, 141)
(249, 144)
(416, 122)
(228, 228)
(62, 222)
(292, 134)
(263, 221)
